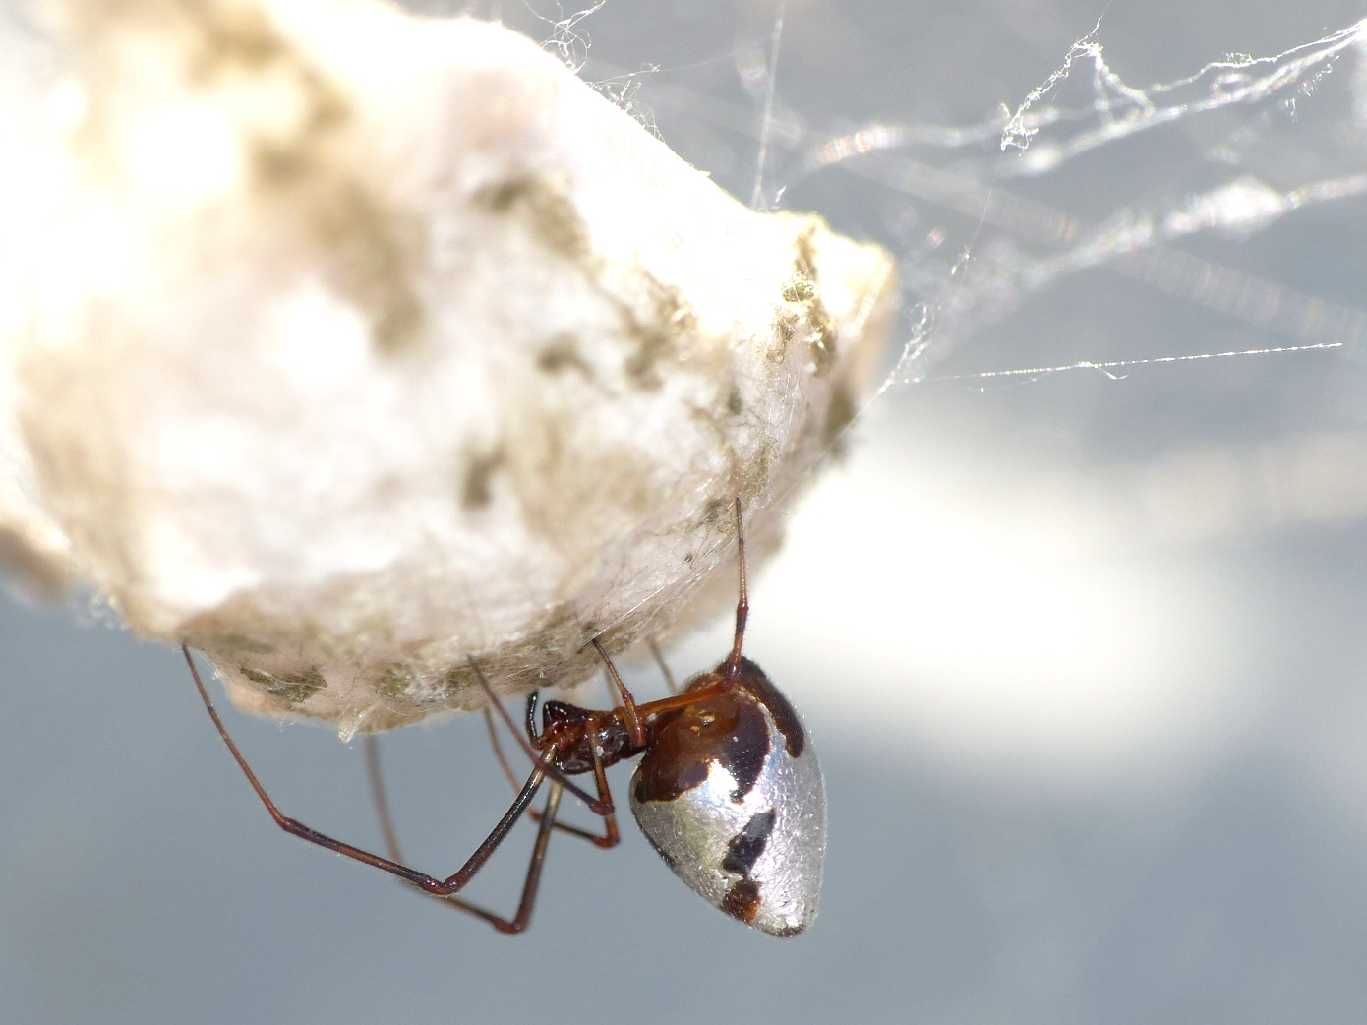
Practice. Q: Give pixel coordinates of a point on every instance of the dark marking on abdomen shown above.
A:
(664, 783)
(752, 678)
(742, 901)
(746, 749)
(747, 845)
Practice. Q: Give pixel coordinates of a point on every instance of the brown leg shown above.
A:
(610, 835)
(498, 749)
(689, 697)
(664, 666)
(633, 722)
(544, 762)
(379, 797)
(523, 916)
(429, 884)
(743, 604)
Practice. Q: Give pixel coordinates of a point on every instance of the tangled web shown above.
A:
(1238, 184)
(1175, 179)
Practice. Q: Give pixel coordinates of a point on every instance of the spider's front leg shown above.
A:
(427, 883)
(610, 836)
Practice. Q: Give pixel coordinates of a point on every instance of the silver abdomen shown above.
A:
(732, 798)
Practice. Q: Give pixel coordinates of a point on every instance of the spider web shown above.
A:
(1082, 106)
(1008, 245)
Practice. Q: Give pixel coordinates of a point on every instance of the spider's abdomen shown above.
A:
(731, 796)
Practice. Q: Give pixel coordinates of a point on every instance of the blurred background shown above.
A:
(1078, 644)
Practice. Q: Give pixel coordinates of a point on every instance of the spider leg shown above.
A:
(610, 835)
(428, 883)
(635, 729)
(530, 886)
(380, 798)
(498, 749)
(743, 603)
(523, 916)
(664, 666)
(542, 761)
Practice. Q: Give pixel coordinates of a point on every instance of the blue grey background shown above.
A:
(1083, 656)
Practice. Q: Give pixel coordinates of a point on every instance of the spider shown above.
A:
(728, 790)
